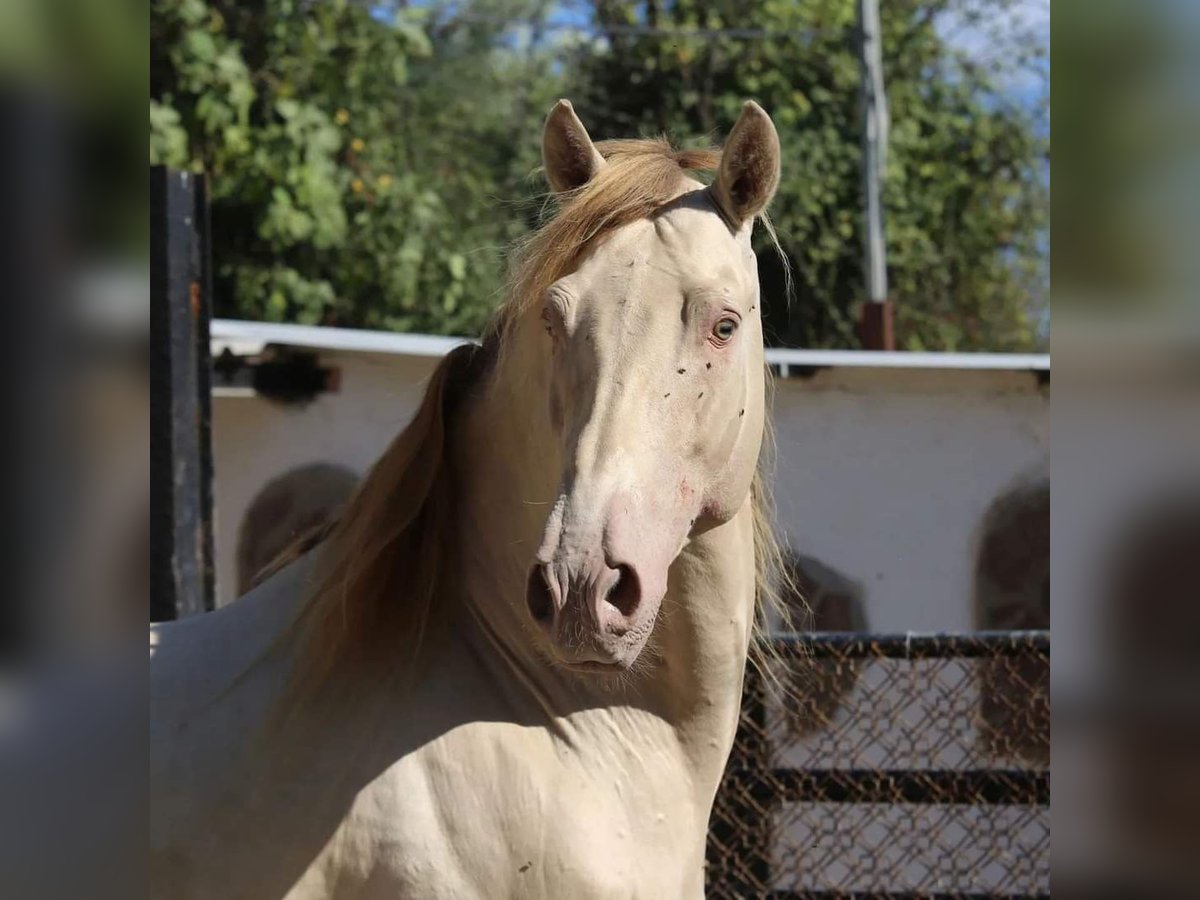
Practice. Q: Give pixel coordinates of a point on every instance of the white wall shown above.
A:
(885, 475)
(256, 440)
(882, 473)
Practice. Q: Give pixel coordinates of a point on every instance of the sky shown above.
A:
(979, 42)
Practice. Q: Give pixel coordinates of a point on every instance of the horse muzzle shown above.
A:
(596, 615)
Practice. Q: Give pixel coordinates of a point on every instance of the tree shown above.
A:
(357, 159)
(371, 161)
(966, 190)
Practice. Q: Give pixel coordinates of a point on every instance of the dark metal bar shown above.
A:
(915, 645)
(203, 230)
(180, 447)
(969, 787)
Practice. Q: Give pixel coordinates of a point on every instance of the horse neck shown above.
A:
(692, 686)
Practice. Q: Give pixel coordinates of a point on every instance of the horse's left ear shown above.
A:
(749, 172)
(570, 158)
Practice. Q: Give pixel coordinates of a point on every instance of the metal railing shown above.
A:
(889, 766)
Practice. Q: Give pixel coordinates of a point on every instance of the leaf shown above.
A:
(965, 186)
(287, 108)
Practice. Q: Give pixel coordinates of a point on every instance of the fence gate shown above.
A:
(890, 766)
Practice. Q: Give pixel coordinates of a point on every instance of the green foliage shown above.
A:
(353, 181)
(965, 195)
(371, 173)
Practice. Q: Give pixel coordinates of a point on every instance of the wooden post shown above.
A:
(875, 326)
(181, 569)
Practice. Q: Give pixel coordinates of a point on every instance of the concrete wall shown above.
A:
(883, 474)
(886, 474)
(256, 440)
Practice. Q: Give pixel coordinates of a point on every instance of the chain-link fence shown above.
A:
(889, 766)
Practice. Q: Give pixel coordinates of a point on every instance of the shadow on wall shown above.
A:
(1012, 592)
(825, 600)
(287, 508)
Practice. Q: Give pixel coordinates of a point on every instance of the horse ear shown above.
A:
(570, 158)
(749, 172)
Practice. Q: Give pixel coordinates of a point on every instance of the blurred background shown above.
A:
(352, 176)
(371, 162)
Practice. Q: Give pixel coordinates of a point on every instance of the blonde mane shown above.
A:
(639, 178)
(383, 563)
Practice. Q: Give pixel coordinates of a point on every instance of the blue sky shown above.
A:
(986, 40)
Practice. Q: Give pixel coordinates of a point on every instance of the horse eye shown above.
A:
(724, 329)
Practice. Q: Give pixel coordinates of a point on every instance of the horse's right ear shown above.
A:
(569, 157)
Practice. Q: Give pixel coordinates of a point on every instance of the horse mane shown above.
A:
(639, 178)
(382, 564)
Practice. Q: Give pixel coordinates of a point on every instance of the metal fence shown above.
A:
(890, 766)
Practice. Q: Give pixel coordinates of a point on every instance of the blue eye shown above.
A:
(724, 329)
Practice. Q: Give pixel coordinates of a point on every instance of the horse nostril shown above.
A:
(539, 598)
(626, 592)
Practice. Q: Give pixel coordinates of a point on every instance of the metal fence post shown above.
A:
(180, 447)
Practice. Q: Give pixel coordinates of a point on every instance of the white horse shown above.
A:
(513, 668)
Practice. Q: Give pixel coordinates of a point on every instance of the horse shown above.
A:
(513, 666)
